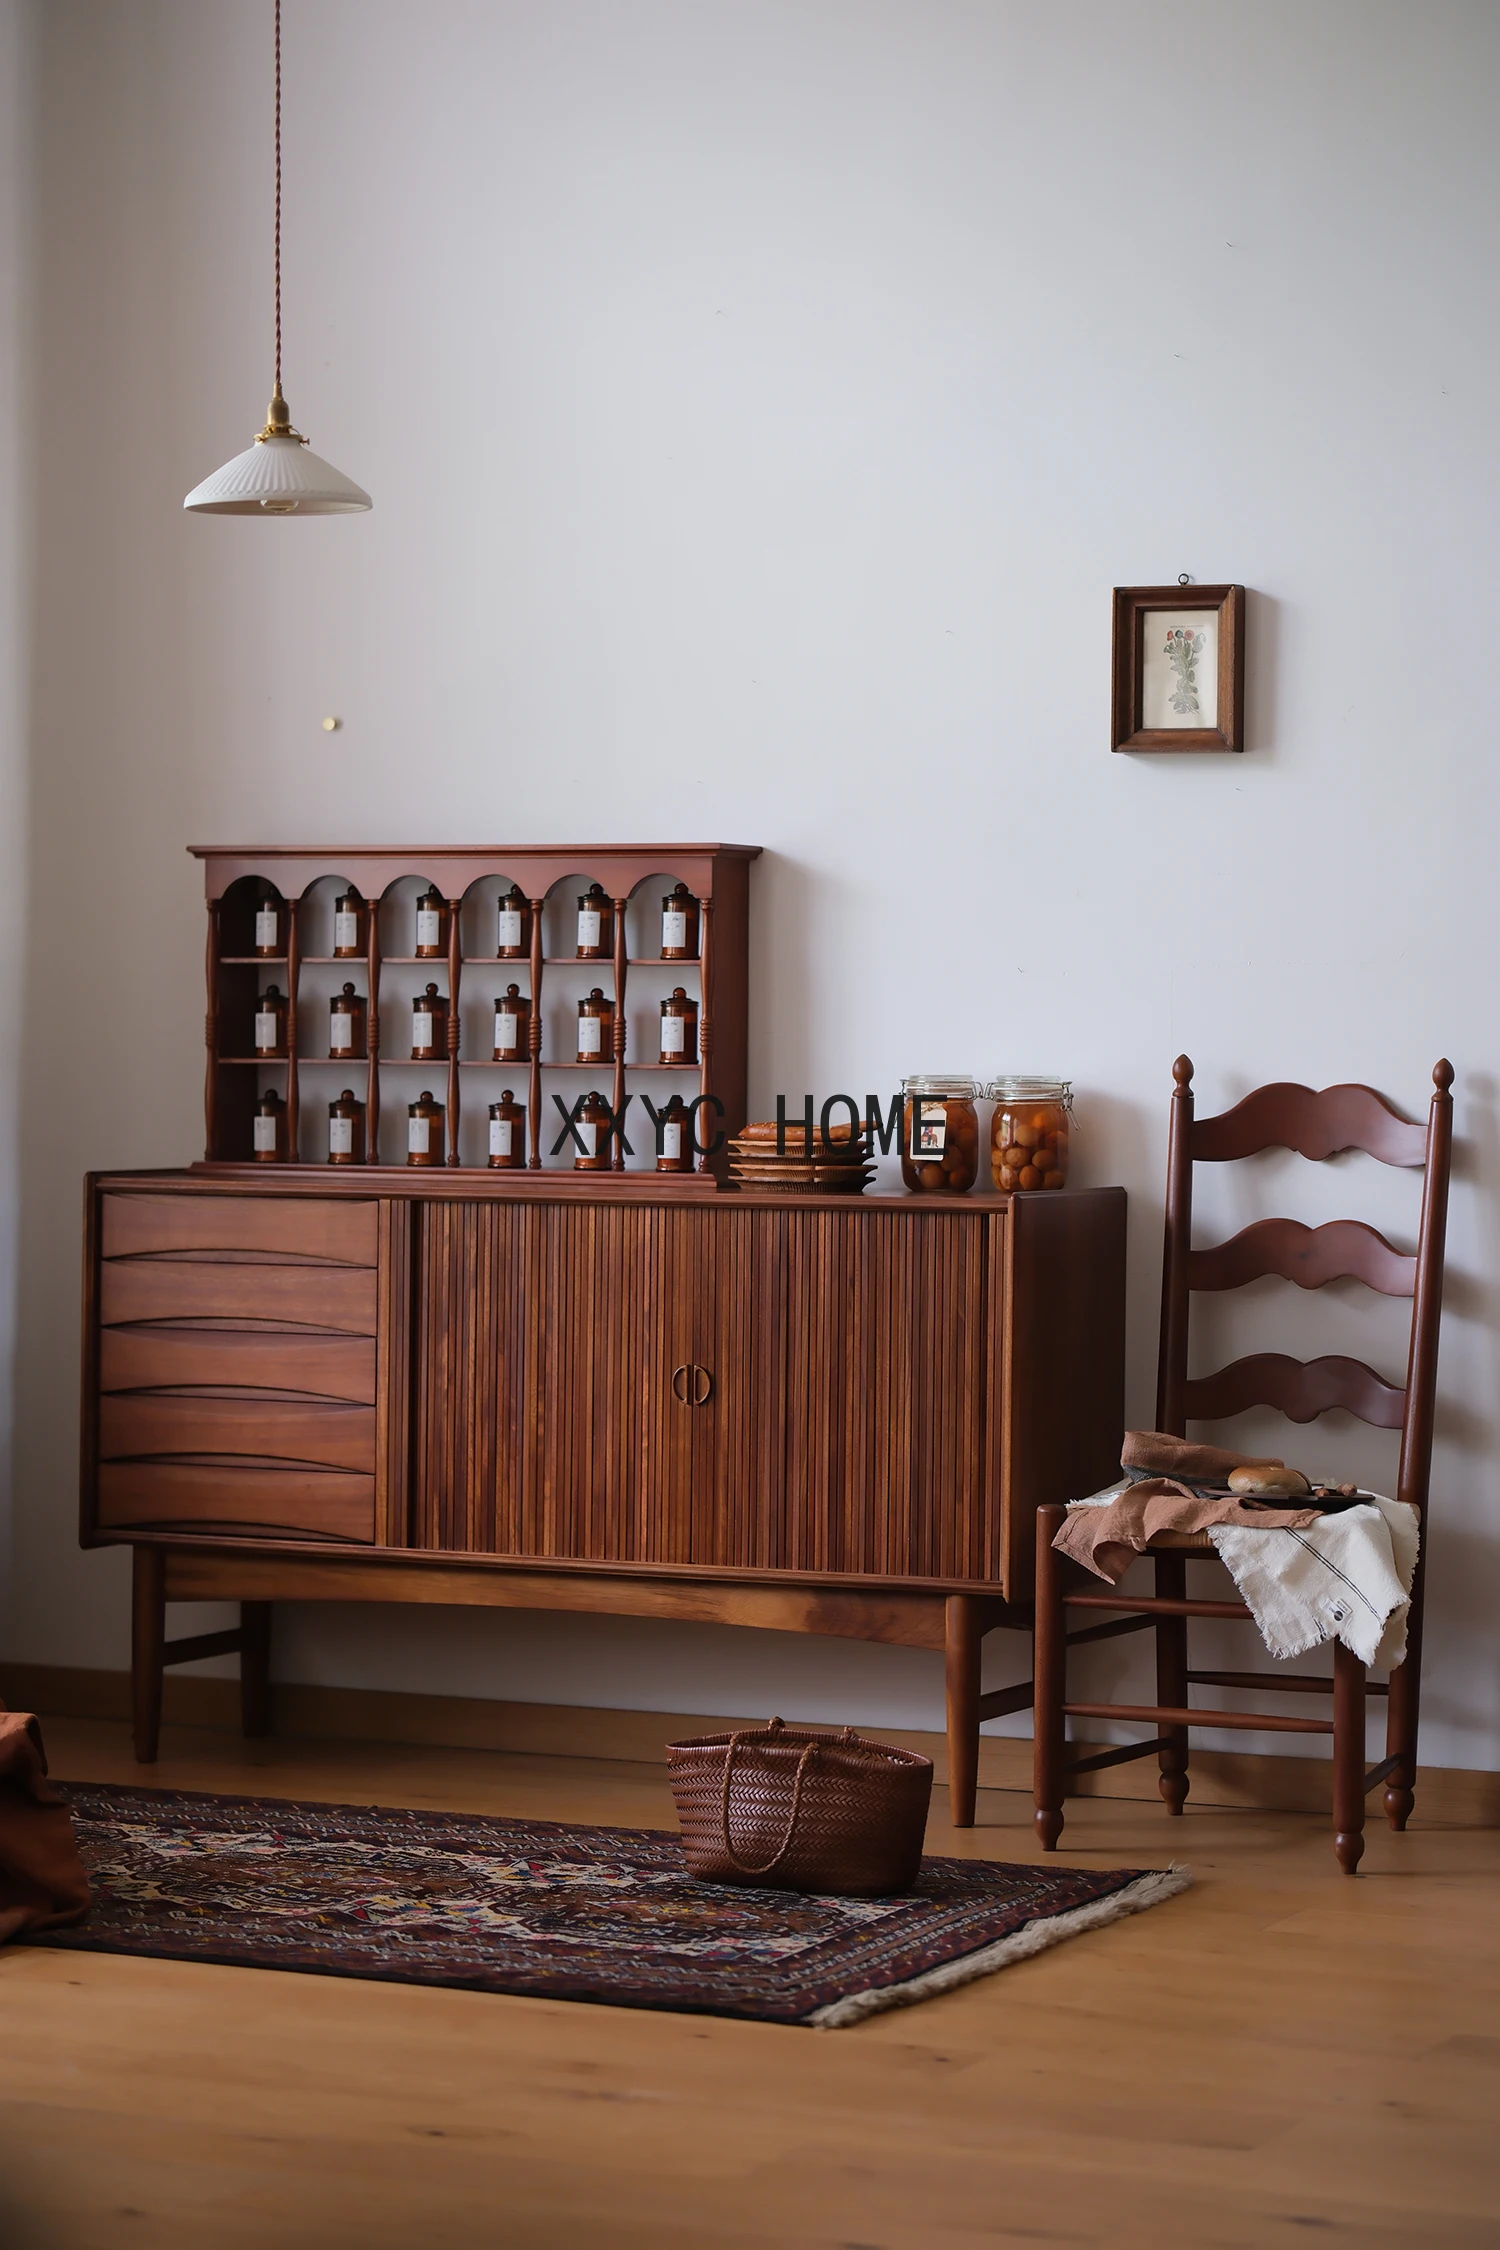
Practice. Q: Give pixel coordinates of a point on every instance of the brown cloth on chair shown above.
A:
(42, 1882)
(1107, 1539)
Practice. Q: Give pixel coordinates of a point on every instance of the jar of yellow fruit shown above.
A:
(1029, 1132)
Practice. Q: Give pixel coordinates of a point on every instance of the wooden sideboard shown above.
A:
(828, 1415)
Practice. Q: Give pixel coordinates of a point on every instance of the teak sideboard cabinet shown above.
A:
(824, 1415)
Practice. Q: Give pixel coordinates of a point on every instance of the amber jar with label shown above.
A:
(596, 924)
(507, 1134)
(432, 926)
(596, 1017)
(939, 1135)
(592, 1127)
(268, 1144)
(512, 926)
(679, 1028)
(346, 1026)
(512, 1017)
(679, 925)
(351, 927)
(429, 1026)
(270, 928)
(1029, 1133)
(674, 1138)
(270, 1022)
(424, 1131)
(346, 1129)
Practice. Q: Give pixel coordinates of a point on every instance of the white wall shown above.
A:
(760, 402)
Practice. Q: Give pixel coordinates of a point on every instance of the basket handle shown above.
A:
(745, 1866)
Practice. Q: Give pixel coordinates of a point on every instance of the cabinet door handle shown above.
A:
(680, 1385)
(703, 1386)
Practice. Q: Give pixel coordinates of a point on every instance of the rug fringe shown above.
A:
(1035, 1937)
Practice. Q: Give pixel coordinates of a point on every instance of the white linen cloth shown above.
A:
(1347, 1577)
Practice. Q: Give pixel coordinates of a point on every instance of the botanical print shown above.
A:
(1179, 669)
(1182, 651)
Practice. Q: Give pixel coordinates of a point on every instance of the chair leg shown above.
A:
(1403, 1710)
(1049, 1724)
(255, 1668)
(963, 1646)
(1348, 1757)
(147, 1640)
(1172, 1681)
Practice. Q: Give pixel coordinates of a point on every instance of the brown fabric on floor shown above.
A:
(1107, 1539)
(1162, 1455)
(42, 1882)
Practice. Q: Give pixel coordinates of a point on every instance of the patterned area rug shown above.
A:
(561, 1913)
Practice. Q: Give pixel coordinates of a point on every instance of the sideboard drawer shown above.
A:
(136, 1226)
(223, 1496)
(152, 1423)
(338, 1297)
(166, 1358)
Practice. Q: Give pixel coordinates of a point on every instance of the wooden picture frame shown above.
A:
(1159, 679)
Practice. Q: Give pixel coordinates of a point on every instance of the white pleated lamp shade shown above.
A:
(278, 476)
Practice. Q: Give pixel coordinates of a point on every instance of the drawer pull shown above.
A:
(703, 1386)
(692, 1385)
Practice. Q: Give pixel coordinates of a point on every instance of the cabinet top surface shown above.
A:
(465, 851)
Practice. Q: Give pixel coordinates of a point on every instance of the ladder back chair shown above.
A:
(1317, 1126)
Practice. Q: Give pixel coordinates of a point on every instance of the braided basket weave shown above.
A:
(798, 1811)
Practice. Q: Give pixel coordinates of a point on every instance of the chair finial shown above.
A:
(1442, 1075)
(1182, 1072)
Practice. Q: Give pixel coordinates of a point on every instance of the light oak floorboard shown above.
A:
(1277, 2057)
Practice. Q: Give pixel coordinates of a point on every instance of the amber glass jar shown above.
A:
(679, 925)
(429, 1026)
(268, 1130)
(512, 926)
(351, 927)
(346, 1129)
(595, 1028)
(592, 1127)
(270, 928)
(346, 1026)
(432, 926)
(679, 1028)
(512, 1014)
(596, 924)
(270, 1022)
(507, 1134)
(674, 1139)
(940, 1135)
(1029, 1132)
(424, 1131)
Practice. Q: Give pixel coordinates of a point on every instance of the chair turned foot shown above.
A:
(1349, 1843)
(1049, 1826)
(1174, 1788)
(1399, 1801)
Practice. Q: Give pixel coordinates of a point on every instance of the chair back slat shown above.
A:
(1315, 1125)
(1299, 1389)
(1344, 1249)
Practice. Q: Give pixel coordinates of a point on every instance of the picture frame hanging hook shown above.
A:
(1184, 578)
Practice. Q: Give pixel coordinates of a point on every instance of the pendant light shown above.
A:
(278, 475)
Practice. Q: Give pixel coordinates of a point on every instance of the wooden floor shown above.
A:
(1282, 2056)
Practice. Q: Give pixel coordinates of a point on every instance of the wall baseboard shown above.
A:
(1459, 1795)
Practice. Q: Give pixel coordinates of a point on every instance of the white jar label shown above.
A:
(428, 926)
(589, 1029)
(671, 1140)
(506, 1027)
(672, 1031)
(417, 1130)
(421, 1028)
(265, 926)
(341, 1031)
(501, 1129)
(588, 1133)
(673, 928)
(510, 926)
(929, 1131)
(265, 1029)
(588, 925)
(345, 932)
(341, 1136)
(265, 1136)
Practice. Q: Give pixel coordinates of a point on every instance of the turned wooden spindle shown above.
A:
(534, 1039)
(705, 1031)
(293, 970)
(455, 971)
(211, 1040)
(617, 1096)
(372, 1040)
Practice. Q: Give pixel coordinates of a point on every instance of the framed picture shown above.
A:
(1179, 668)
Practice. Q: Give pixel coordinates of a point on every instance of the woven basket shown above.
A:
(797, 1811)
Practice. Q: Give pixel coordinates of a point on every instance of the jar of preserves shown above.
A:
(429, 1026)
(424, 1131)
(346, 1129)
(1029, 1132)
(939, 1135)
(346, 1025)
(512, 926)
(512, 1015)
(432, 926)
(679, 925)
(268, 1130)
(270, 1022)
(507, 1134)
(679, 1028)
(351, 926)
(674, 1139)
(592, 1127)
(596, 924)
(595, 1027)
(270, 928)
